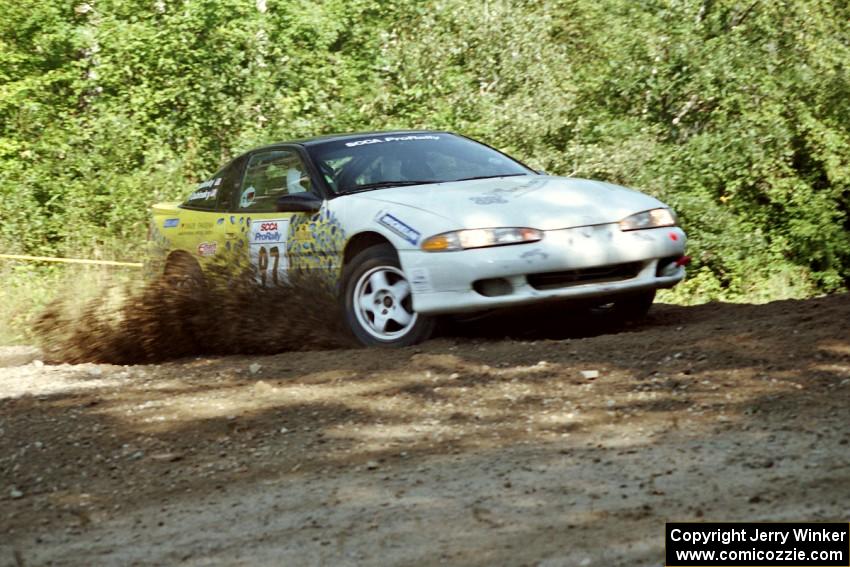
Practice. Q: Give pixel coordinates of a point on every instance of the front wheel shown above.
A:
(634, 306)
(378, 301)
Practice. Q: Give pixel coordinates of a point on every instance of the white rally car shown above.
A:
(415, 224)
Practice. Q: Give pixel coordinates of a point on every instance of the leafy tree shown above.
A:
(735, 112)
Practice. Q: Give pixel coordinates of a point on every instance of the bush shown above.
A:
(734, 113)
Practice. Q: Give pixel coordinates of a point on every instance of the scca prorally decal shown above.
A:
(399, 227)
(267, 231)
(389, 139)
(170, 223)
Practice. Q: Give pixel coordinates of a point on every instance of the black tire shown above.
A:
(634, 306)
(182, 272)
(377, 301)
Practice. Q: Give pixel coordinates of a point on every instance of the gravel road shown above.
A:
(541, 440)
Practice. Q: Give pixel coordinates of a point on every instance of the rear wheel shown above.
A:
(183, 273)
(378, 301)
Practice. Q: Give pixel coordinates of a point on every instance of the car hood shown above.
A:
(540, 201)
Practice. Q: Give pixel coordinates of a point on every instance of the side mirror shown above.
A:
(541, 172)
(298, 203)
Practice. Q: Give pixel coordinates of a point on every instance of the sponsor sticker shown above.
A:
(208, 183)
(203, 194)
(207, 248)
(247, 197)
(171, 223)
(400, 227)
(420, 280)
(530, 255)
(266, 231)
(267, 241)
(368, 141)
(488, 200)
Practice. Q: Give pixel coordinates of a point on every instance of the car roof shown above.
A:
(349, 136)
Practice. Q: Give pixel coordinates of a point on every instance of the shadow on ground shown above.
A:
(471, 448)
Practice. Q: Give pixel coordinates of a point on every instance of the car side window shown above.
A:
(271, 174)
(205, 195)
(230, 177)
(215, 193)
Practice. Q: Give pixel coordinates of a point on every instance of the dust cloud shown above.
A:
(169, 318)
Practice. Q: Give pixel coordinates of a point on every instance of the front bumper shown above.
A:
(576, 263)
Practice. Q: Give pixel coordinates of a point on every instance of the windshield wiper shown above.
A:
(490, 176)
(380, 184)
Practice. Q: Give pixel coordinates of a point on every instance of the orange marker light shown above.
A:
(436, 243)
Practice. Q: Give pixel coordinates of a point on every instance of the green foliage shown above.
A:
(736, 113)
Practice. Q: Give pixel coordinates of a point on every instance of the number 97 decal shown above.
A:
(267, 241)
(263, 263)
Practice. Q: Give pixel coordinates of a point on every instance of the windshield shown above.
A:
(392, 160)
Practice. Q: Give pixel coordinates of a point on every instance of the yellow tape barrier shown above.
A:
(71, 260)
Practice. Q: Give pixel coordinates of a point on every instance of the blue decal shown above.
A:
(170, 223)
(397, 226)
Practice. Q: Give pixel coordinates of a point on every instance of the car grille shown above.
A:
(598, 274)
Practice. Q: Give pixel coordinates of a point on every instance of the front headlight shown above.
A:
(654, 218)
(480, 238)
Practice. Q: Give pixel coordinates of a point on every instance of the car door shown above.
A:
(275, 245)
(202, 228)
